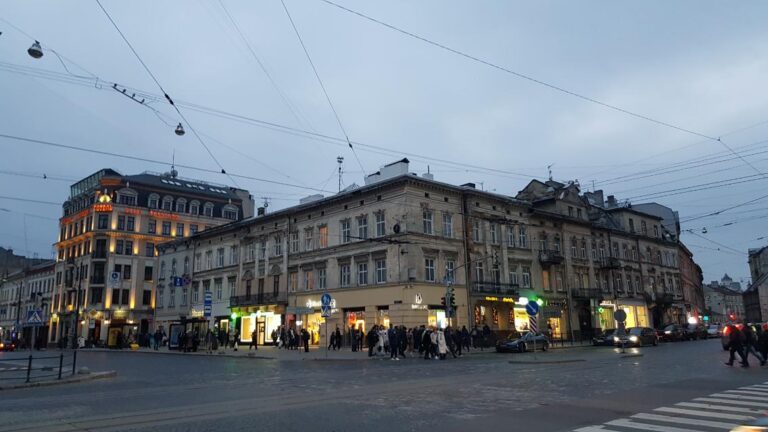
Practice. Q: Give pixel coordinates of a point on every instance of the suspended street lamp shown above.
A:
(180, 130)
(35, 51)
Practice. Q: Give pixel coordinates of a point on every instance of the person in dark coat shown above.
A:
(392, 335)
(353, 338)
(337, 337)
(305, 338)
(458, 341)
(750, 344)
(486, 336)
(402, 339)
(254, 340)
(426, 343)
(373, 339)
(736, 341)
(332, 341)
(417, 339)
(762, 342)
(360, 337)
(465, 339)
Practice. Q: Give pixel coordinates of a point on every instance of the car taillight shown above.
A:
(726, 330)
(2, 345)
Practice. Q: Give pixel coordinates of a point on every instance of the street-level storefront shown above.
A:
(381, 305)
(636, 310)
(263, 318)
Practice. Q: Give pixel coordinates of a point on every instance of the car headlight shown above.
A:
(615, 338)
(633, 338)
(668, 332)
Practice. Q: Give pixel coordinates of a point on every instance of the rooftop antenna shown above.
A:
(340, 161)
(266, 202)
(174, 173)
(549, 169)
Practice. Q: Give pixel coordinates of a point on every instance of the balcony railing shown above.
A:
(495, 288)
(549, 257)
(610, 263)
(588, 293)
(257, 299)
(99, 254)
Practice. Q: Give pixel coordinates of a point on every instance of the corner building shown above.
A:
(111, 224)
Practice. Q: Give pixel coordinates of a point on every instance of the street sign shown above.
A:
(35, 317)
(620, 315)
(114, 279)
(533, 324)
(325, 311)
(208, 304)
(532, 308)
(177, 281)
(326, 299)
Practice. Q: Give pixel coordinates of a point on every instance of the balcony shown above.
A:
(495, 288)
(550, 257)
(610, 263)
(99, 254)
(587, 293)
(257, 299)
(97, 279)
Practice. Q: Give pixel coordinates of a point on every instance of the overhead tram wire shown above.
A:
(322, 86)
(154, 161)
(28, 200)
(539, 81)
(714, 242)
(151, 97)
(165, 94)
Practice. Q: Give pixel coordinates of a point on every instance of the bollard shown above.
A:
(61, 363)
(74, 361)
(29, 367)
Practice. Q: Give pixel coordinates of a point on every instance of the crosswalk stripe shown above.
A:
(719, 407)
(724, 416)
(747, 392)
(683, 420)
(755, 388)
(733, 402)
(594, 429)
(740, 397)
(647, 426)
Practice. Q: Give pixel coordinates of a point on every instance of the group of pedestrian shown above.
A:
(290, 339)
(428, 342)
(744, 340)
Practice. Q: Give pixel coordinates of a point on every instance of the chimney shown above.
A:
(611, 201)
(468, 185)
(261, 211)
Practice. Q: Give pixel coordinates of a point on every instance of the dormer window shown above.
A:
(154, 201)
(229, 212)
(167, 203)
(181, 205)
(127, 197)
(208, 209)
(194, 208)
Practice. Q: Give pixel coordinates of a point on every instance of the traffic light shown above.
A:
(453, 302)
(442, 301)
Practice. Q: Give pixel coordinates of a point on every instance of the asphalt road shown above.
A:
(591, 386)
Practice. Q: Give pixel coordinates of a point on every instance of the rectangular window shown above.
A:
(160, 301)
(513, 274)
(275, 285)
(323, 236)
(322, 282)
(208, 260)
(426, 218)
(479, 276)
(278, 245)
(494, 233)
(522, 237)
(476, 231)
(344, 275)
(103, 222)
(184, 293)
(345, 233)
(129, 247)
(217, 287)
(450, 266)
(234, 255)
(121, 223)
(294, 241)
(643, 227)
(381, 271)
(179, 230)
(119, 247)
(149, 249)
(172, 297)
(251, 252)
(309, 280)
(263, 249)
(195, 292)
(380, 225)
(146, 297)
(362, 274)
(656, 231)
(631, 225)
(220, 257)
(152, 226)
(130, 224)
(96, 294)
(192, 229)
(526, 277)
(362, 227)
(115, 296)
(309, 241)
(293, 281)
(510, 236)
(148, 273)
(166, 228)
(429, 269)
(126, 272)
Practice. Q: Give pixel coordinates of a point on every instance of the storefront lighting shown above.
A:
(600, 309)
(693, 320)
(540, 302)
(523, 301)
(233, 316)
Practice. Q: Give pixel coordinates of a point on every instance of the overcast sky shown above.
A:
(697, 65)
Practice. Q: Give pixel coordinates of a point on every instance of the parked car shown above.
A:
(606, 338)
(637, 336)
(673, 333)
(695, 332)
(7, 345)
(713, 331)
(524, 343)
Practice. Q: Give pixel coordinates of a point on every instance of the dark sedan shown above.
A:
(604, 339)
(524, 343)
(637, 337)
(673, 333)
(7, 345)
(696, 332)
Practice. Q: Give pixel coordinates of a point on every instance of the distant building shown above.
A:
(756, 295)
(723, 300)
(111, 223)
(21, 292)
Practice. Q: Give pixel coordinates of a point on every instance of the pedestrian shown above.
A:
(442, 346)
(353, 338)
(254, 340)
(393, 342)
(360, 337)
(305, 338)
(486, 336)
(373, 339)
(274, 337)
(750, 342)
(417, 339)
(475, 335)
(409, 338)
(465, 338)
(433, 344)
(762, 341)
(158, 339)
(210, 341)
(736, 341)
(426, 342)
(458, 341)
(337, 337)
(332, 341)
(236, 339)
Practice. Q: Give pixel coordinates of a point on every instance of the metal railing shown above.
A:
(33, 368)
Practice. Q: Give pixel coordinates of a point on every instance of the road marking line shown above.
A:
(647, 426)
(733, 401)
(755, 388)
(594, 429)
(746, 392)
(719, 407)
(705, 414)
(734, 396)
(683, 420)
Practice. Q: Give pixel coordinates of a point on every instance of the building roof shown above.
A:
(183, 185)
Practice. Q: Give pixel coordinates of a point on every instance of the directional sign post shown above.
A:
(532, 308)
(621, 316)
(208, 304)
(35, 317)
(114, 279)
(325, 312)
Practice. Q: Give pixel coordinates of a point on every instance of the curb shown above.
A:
(565, 361)
(630, 355)
(76, 379)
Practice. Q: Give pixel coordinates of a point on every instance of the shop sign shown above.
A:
(556, 303)
(501, 299)
(133, 211)
(163, 215)
(103, 207)
(419, 307)
(551, 313)
(606, 304)
(316, 304)
(294, 310)
(418, 299)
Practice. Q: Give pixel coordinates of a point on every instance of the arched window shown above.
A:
(167, 203)
(154, 201)
(194, 207)
(127, 196)
(173, 267)
(208, 209)
(181, 205)
(229, 212)
(186, 265)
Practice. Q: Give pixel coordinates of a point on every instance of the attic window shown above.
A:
(477, 204)
(494, 207)
(309, 216)
(346, 207)
(445, 199)
(322, 213)
(362, 202)
(426, 194)
(378, 197)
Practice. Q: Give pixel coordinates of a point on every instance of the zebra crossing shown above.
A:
(721, 411)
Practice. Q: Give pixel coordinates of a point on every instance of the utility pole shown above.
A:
(340, 161)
